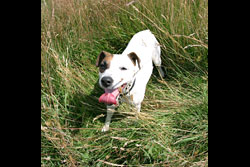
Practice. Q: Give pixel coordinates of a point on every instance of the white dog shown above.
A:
(125, 76)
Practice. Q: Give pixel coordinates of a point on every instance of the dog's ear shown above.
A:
(101, 56)
(134, 58)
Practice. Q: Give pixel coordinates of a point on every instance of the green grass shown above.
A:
(172, 129)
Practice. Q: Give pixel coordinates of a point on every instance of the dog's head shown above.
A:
(116, 70)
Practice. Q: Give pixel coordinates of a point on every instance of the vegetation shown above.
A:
(172, 129)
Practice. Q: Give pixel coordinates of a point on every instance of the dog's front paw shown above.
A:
(105, 128)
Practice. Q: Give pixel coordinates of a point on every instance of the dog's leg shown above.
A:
(110, 112)
(156, 57)
(138, 109)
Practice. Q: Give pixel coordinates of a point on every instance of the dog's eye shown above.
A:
(103, 67)
(123, 68)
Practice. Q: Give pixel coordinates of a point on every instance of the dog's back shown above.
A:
(145, 45)
(147, 48)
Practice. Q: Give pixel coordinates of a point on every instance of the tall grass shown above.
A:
(172, 129)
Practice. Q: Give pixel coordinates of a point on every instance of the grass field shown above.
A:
(172, 129)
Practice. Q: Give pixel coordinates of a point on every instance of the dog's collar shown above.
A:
(125, 91)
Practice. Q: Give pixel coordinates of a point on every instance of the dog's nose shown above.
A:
(107, 81)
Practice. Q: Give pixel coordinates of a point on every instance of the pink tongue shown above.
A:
(109, 97)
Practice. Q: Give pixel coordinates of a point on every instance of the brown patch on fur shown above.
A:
(103, 61)
(134, 58)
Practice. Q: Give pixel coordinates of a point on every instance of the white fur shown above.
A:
(147, 48)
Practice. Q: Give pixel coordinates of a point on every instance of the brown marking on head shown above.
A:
(103, 61)
(134, 58)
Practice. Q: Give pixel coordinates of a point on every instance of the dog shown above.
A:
(125, 76)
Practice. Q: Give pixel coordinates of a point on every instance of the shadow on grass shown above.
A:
(87, 107)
